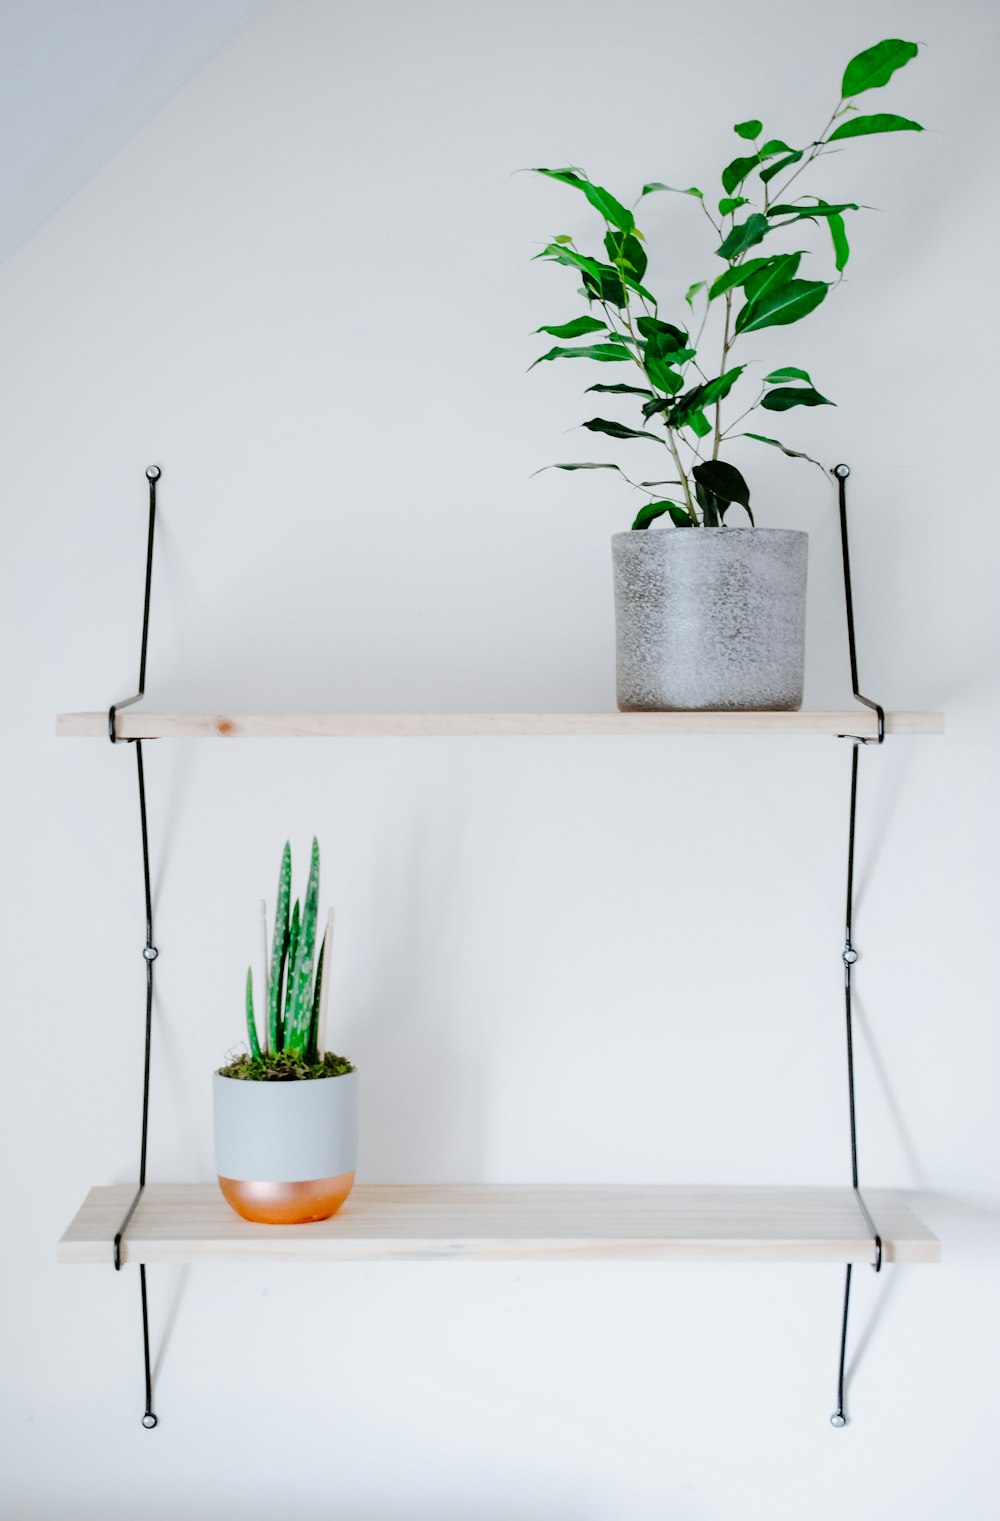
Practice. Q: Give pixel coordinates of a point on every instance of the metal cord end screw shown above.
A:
(841, 472)
(150, 953)
(153, 473)
(837, 1419)
(850, 955)
(149, 1420)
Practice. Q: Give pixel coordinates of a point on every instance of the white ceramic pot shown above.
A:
(286, 1152)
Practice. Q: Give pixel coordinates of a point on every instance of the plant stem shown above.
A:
(722, 371)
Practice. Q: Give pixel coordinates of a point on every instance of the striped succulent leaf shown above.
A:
(251, 1022)
(279, 949)
(293, 947)
(312, 1051)
(300, 980)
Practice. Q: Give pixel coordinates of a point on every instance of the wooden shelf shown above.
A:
(136, 724)
(191, 1222)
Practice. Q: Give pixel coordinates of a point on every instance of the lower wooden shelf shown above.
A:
(191, 1222)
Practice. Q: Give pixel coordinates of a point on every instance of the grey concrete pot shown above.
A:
(710, 618)
(286, 1152)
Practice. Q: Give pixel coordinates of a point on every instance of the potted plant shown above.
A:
(286, 1111)
(713, 618)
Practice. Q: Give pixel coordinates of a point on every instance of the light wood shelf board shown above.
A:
(137, 724)
(191, 1222)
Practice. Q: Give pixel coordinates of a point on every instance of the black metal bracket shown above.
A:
(849, 955)
(149, 951)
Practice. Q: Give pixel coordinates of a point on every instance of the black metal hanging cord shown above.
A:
(149, 950)
(850, 954)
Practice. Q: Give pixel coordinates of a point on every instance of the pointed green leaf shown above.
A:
(301, 978)
(661, 374)
(699, 424)
(788, 373)
(818, 208)
(773, 170)
(735, 173)
(589, 465)
(623, 247)
(775, 273)
(722, 481)
(653, 510)
(693, 290)
(841, 247)
(663, 336)
(604, 353)
(749, 129)
(312, 1045)
(874, 67)
(279, 946)
(785, 397)
(676, 189)
(294, 930)
(731, 203)
(865, 126)
(617, 430)
(777, 444)
(251, 1022)
(613, 211)
(774, 145)
(788, 303)
(574, 329)
(620, 390)
(744, 236)
(735, 276)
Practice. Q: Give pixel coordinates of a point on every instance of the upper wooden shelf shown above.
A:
(191, 1222)
(137, 724)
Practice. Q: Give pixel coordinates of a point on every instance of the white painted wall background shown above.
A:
(304, 289)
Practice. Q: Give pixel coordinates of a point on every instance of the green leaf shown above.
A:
(749, 129)
(709, 507)
(677, 190)
(774, 145)
(744, 236)
(613, 211)
(661, 374)
(620, 390)
(604, 353)
(699, 424)
(590, 465)
(773, 170)
(731, 203)
(865, 126)
(777, 444)
(788, 373)
(574, 329)
(775, 272)
(784, 397)
(301, 976)
(664, 336)
(693, 290)
(788, 303)
(618, 430)
(838, 233)
(659, 483)
(874, 67)
(251, 1022)
(564, 237)
(735, 276)
(654, 510)
(706, 395)
(624, 246)
(279, 949)
(817, 209)
(722, 481)
(735, 173)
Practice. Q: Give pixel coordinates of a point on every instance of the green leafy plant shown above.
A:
(681, 392)
(294, 992)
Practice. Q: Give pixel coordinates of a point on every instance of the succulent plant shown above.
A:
(294, 976)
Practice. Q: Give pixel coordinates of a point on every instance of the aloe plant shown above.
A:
(681, 391)
(295, 979)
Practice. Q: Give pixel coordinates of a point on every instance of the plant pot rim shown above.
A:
(282, 1082)
(689, 535)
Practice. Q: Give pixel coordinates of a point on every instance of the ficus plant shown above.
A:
(689, 368)
(288, 1047)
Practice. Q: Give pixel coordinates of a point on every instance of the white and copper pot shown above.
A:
(286, 1152)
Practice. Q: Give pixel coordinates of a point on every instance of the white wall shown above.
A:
(304, 290)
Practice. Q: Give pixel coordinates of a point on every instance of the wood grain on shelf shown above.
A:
(191, 1222)
(137, 724)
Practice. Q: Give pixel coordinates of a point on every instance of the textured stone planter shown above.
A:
(710, 618)
(286, 1152)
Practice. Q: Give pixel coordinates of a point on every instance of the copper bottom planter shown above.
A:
(286, 1152)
